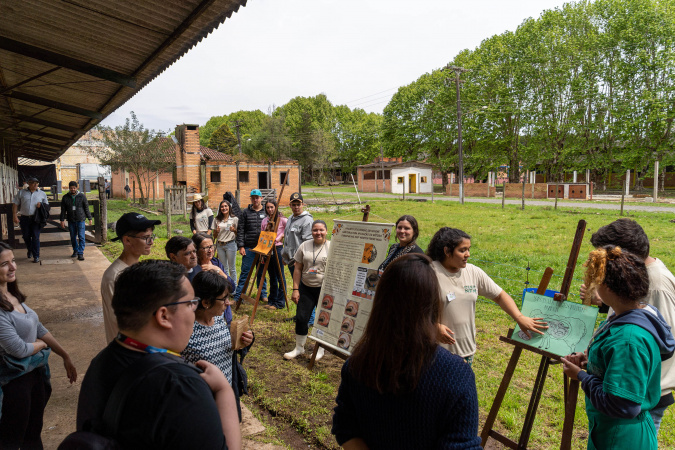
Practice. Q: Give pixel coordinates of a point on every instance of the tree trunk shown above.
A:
(663, 179)
(140, 187)
(444, 179)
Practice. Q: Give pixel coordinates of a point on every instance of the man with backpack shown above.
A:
(138, 391)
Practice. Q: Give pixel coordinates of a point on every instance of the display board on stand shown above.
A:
(356, 251)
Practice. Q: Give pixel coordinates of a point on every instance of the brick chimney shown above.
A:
(188, 156)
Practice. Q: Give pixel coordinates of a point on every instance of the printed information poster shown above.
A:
(356, 251)
(570, 325)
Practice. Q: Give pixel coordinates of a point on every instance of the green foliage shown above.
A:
(250, 122)
(224, 140)
(134, 148)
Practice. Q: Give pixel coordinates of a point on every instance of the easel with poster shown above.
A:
(356, 251)
(560, 326)
(264, 251)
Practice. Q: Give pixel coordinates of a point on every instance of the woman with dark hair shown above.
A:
(201, 216)
(24, 373)
(622, 380)
(225, 233)
(207, 262)
(460, 285)
(407, 232)
(211, 339)
(399, 388)
(276, 271)
(310, 265)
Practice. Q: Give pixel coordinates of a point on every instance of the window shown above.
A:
(370, 175)
(215, 177)
(400, 180)
(243, 176)
(283, 176)
(424, 180)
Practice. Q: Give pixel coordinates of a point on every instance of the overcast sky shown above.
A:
(357, 52)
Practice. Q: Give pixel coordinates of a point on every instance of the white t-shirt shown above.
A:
(662, 296)
(224, 234)
(201, 219)
(107, 290)
(459, 292)
(313, 259)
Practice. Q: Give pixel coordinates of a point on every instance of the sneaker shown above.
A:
(30, 255)
(80, 257)
(36, 260)
(74, 255)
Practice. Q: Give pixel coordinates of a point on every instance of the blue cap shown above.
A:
(256, 192)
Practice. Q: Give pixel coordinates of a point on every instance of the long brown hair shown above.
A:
(400, 338)
(12, 288)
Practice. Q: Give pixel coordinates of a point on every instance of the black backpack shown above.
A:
(99, 439)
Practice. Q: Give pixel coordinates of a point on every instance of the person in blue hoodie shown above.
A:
(623, 360)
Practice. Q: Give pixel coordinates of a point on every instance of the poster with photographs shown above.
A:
(356, 251)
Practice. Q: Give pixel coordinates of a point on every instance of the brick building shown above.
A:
(213, 173)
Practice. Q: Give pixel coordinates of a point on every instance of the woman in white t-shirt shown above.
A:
(201, 216)
(224, 233)
(310, 266)
(461, 283)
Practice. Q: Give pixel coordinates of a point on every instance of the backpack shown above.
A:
(99, 439)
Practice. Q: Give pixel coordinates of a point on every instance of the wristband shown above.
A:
(296, 289)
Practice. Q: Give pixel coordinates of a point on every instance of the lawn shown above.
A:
(505, 243)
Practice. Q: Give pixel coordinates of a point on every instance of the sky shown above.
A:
(357, 52)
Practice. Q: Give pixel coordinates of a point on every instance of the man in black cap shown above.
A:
(135, 232)
(75, 208)
(27, 201)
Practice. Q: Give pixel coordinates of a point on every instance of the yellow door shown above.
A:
(412, 180)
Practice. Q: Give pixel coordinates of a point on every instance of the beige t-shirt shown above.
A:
(459, 292)
(662, 296)
(202, 219)
(224, 234)
(107, 290)
(313, 261)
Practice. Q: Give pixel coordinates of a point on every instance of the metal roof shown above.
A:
(65, 65)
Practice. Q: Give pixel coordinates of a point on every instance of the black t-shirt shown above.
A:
(172, 408)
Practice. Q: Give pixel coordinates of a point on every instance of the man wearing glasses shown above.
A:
(182, 250)
(171, 404)
(135, 232)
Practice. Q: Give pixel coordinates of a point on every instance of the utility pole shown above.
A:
(237, 124)
(458, 71)
(384, 186)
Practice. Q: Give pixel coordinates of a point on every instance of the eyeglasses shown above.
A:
(222, 299)
(208, 247)
(148, 239)
(193, 303)
(191, 252)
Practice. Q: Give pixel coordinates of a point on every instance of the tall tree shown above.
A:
(134, 148)
(224, 140)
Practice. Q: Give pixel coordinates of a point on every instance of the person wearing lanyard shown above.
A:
(310, 265)
(27, 201)
(75, 207)
(225, 233)
(172, 406)
(276, 268)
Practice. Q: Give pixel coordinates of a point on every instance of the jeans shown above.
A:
(246, 267)
(31, 234)
(23, 406)
(309, 297)
(227, 254)
(291, 269)
(657, 416)
(277, 281)
(77, 236)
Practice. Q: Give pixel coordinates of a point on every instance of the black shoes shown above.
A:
(30, 255)
(74, 255)
(80, 257)
(36, 260)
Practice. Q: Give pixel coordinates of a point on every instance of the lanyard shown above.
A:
(141, 346)
(319, 254)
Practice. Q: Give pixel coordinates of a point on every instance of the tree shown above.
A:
(224, 140)
(270, 142)
(134, 148)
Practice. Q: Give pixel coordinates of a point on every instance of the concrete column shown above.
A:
(588, 176)
(627, 182)
(574, 177)
(656, 179)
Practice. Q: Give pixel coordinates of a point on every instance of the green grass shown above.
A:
(504, 243)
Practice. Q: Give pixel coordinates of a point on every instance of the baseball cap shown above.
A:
(133, 222)
(296, 197)
(256, 192)
(32, 179)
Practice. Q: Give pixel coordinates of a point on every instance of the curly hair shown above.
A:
(444, 238)
(624, 233)
(620, 271)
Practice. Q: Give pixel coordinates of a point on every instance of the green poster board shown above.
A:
(570, 325)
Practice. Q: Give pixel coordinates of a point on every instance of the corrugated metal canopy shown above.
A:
(65, 65)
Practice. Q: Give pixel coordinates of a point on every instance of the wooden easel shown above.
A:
(571, 387)
(263, 259)
(339, 354)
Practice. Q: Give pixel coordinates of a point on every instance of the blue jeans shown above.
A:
(277, 281)
(246, 267)
(657, 416)
(77, 236)
(31, 235)
(291, 268)
(227, 254)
